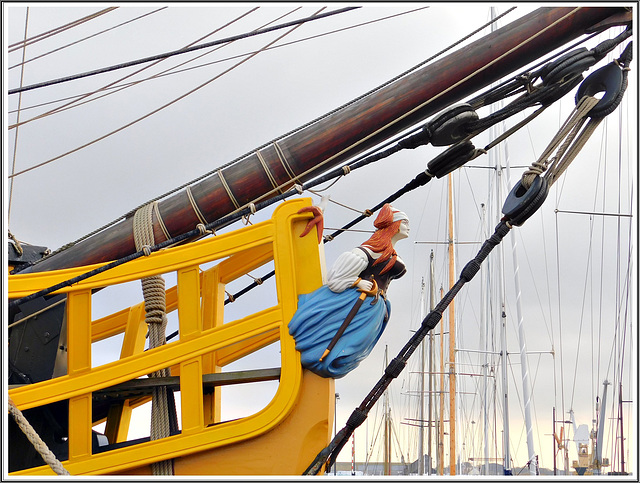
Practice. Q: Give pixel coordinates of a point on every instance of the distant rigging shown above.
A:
(83, 39)
(177, 52)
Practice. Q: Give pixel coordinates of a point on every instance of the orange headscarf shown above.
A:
(380, 241)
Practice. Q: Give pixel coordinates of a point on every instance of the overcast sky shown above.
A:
(572, 267)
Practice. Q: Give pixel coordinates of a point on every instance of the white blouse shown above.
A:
(346, 269)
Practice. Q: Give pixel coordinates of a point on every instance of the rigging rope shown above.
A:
(181, 51)
(15, 141)
(413, 141)
(121, 128)
(422, 136)
(175, 70)
(85, 38)
(57, 30)
(210, 227)
(35, 439)
(240, 158)
(76, 101)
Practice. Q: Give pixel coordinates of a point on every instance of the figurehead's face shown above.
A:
(403, 229)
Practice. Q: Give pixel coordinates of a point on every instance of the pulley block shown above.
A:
(521, 202)
(451, 159)
(448, 127)
(608, 79)
(567, 65)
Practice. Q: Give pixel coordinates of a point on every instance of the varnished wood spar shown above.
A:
(351, 131)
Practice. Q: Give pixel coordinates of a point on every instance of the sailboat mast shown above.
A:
(524, 365)
(421, 391)
(622, 470)
(499, 267)
(432, 304)
(387, 432)
(452, 341)
(485, 319)
(441, 392)
(503, 327)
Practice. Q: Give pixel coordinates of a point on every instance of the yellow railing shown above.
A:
(206, 343)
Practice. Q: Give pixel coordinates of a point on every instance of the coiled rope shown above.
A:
(37, 442)
(153, 289)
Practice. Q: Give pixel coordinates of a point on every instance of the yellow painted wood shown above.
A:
(205, 342)
(129, 368)
(212, 316)
(160, 262)
(232, 353)
(189, 312)
(117, 422)
(191, 396)
(134, 336)
(79, 331)
(242, 263)
(79, 427)
(119, 416)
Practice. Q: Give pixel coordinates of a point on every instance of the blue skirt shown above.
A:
(319, 316)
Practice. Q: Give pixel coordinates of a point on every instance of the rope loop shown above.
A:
(298, 188)
(367, 213)
(536, 169)
(203, 230)
(230, 297)
(257, 280)
(619, 64)
(16, 244)
(146, 249)
(346, 169)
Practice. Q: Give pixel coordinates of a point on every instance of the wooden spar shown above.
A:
(441, 390)
(452, 341)
(348, 132)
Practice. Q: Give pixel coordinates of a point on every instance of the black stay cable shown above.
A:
(358, 416)
(179, 51)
